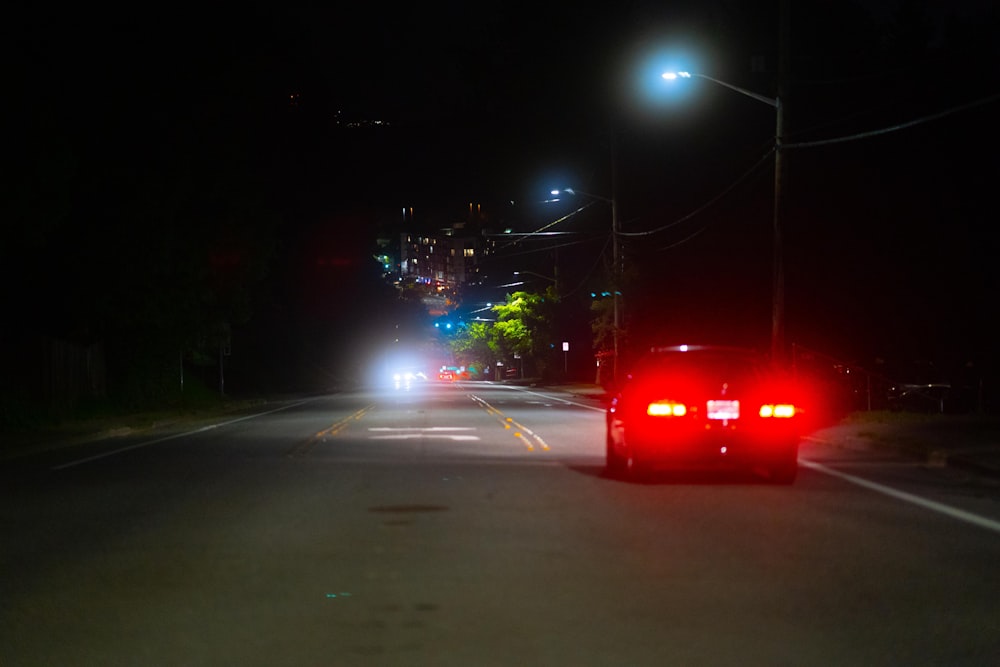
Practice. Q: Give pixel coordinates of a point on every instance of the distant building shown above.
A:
(450, 257)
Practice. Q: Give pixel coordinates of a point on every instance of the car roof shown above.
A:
(662, 356)
(719, 349)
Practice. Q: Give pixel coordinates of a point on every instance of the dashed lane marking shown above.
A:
(509, 422)
(302, 449)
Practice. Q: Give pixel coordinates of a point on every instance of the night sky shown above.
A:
(324, 122)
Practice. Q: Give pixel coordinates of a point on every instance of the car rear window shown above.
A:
(730, 367)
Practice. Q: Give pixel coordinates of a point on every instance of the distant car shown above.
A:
(690, 407)
(446, 375)
(925, 397)
(405, 378)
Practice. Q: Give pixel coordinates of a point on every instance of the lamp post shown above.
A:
(778, 272)
(616, 268)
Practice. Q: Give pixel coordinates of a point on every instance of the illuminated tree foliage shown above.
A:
(472, 346)
(524, 328)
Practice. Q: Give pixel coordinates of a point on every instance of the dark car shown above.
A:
(690, 407)
(924, 397)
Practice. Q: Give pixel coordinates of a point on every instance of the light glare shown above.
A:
(657, 56)
(779, 411)
(784, 411)
(666, 409)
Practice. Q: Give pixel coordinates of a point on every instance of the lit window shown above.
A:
(470, 252)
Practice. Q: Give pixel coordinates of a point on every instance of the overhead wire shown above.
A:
(897, 127)
(520, 237)
(593, 267)
(746, 174)
(801, 144)
(546, 248)
(708, 204)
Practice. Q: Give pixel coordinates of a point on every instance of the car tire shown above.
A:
(785, 470)
(636, 468)
(615, 463)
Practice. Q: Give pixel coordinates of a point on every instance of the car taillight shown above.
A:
(666, 409)
(777, 410)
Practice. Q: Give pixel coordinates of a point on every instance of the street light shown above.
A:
(616, 268)
(554, 281)
(673, 76)
(778, 272)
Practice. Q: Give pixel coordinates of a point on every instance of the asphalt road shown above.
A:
(472, 524)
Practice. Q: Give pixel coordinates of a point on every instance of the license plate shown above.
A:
(723, 409)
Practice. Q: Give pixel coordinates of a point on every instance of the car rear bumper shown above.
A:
(712, 452)
(684, 448)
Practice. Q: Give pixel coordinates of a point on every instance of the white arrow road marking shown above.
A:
(419, 436)
(423, 429)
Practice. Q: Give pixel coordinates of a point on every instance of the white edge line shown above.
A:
(553, 398)
(104, 455)
(423, 436)
(932, 505)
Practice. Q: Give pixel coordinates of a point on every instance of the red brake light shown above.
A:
(666, 409)
(778, 411)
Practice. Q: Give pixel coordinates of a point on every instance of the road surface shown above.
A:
(472, 524)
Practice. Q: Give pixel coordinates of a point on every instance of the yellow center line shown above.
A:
(507, 422)
(304, 448)
(345, 422)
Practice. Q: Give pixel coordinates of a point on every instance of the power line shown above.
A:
(895, 128)
(591, 270)
(802, 144)
(521, 237)
(542, 249)
(684, 240)
(711, 202)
